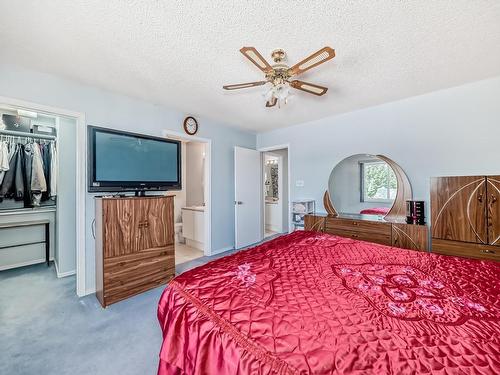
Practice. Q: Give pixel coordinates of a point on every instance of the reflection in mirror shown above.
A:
(362, 184)
(271, 178)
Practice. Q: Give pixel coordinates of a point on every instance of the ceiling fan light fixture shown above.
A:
(280, 92)
(279, 74)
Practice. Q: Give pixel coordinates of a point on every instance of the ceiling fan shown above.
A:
(279, 74)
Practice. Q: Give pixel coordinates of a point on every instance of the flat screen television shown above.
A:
(121, 161)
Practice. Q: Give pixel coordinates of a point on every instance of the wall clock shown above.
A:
(190, 125)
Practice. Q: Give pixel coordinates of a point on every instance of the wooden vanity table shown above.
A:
(372, 229)
(388, 229)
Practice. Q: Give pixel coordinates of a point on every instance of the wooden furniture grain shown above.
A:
(134, 245)
(410, 236)
(366, 228)
(390, 230)
(465, 216)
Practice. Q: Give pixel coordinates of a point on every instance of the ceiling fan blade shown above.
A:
(309, 87)
(319, 57)
(272, 102)
(254, 56)
(243, 85)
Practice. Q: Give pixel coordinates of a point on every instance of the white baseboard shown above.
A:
(196, 244)
(274, 228)
(222, 250)
(63, 274)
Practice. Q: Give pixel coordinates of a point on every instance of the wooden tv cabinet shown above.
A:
(134, 245)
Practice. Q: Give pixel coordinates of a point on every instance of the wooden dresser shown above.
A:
(369, 228)
(465, 214)
(134, 245)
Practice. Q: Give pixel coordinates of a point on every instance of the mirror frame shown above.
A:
(397, 212)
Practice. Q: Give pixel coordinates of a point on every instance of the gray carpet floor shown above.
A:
(46, 329)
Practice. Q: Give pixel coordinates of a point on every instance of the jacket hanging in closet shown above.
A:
(38, 183)
(13, 184)
(30, 174)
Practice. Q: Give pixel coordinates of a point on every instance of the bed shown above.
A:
(375, 211)
(313, 303)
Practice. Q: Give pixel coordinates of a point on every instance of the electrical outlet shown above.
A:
(299, 183)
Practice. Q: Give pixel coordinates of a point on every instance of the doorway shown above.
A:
(46, 226)
(275, 196)
(192, 204)
(251, 194)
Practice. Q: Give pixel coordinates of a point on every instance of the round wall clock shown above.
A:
(190, 125)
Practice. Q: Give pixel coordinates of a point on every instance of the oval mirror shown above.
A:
(363, 184)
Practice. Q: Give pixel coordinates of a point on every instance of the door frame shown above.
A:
(81, 170)
(207, 251)
(271, 149)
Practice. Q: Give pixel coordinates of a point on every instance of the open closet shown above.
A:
(36, 220)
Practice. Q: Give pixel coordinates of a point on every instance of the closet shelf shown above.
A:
(27, 135)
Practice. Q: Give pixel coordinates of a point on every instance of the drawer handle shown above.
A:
(487, 251)
(354, 223)
(354, 235)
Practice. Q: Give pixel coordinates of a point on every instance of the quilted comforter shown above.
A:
(312, 303)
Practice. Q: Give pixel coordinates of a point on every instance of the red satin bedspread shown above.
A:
(311, 303)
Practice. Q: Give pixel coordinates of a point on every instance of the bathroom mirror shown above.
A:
(363, 184)
(271, 178)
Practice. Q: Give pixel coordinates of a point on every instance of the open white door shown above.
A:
(247, 197)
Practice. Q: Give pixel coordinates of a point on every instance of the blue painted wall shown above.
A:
(103, 108)
(448, 132)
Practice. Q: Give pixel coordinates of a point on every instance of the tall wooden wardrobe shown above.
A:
(134, 245)
(465, 214)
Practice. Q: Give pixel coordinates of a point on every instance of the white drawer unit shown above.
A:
(193, 226)
(24, 243)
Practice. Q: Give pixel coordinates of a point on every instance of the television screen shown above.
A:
(125, 162)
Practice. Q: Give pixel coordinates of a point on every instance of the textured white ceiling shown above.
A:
(180, 53)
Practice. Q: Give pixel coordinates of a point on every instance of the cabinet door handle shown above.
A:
(480, 198)
(493, 198)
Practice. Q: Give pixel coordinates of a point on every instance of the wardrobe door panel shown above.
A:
(458, 208)
(493, 209)
(119, 227)
(153, 223)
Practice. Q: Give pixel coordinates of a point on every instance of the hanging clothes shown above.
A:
(28, 171)
(46, 157)
(4, 159)
(9, 177)
(38, 184)
(53, 170)
(14, 180)
(28, 163)
(4, 156)
(20, 175)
